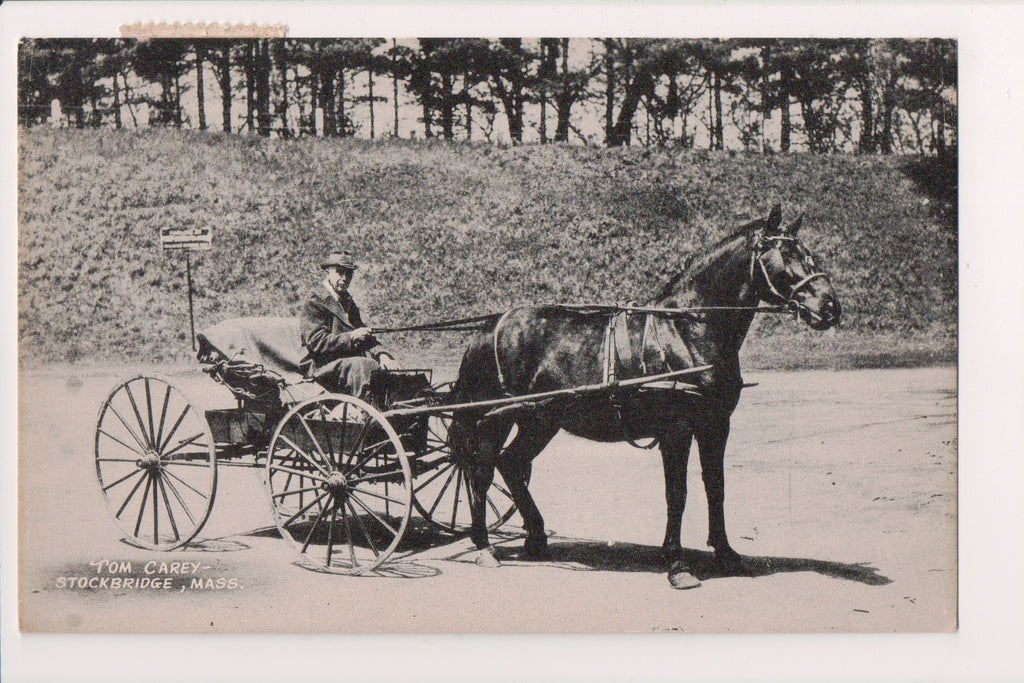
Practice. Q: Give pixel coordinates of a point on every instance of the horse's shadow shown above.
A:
(590, 555)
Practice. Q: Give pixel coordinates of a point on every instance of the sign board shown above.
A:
(186, 239)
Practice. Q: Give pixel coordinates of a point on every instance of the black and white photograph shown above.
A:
(348, 331)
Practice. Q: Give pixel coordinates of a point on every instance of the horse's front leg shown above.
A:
(675, 453)
(711, 440)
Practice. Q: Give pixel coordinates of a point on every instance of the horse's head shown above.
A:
(785, 273)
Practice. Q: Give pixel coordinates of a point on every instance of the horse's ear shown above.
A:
(795, 225)
(774, 219)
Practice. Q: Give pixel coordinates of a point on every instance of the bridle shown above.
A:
(762, 246)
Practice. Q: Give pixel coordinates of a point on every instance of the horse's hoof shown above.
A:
(486, 558)
(680, 578)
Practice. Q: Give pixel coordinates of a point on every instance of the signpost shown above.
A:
(187, 240)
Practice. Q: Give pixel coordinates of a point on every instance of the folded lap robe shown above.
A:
(274, 343)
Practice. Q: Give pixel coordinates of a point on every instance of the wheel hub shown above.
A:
(148, 461)
(336, 484)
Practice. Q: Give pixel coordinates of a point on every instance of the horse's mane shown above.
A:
(698, 261)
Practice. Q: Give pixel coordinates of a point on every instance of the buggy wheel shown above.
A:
(155, 462)
(441, 488)
(339, 484)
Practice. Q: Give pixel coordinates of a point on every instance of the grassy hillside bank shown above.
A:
(452, 230)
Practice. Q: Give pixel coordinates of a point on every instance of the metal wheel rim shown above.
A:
(369, 505)
(179, 476)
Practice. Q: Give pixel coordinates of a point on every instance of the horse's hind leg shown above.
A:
(484, 443)
(514, 465)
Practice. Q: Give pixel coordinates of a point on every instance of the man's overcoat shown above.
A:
(327, 326)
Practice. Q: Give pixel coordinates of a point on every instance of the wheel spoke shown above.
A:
(304, 509)
(316, 524)
(291, 444)
(455, 505)
(184, 483)
(177, 423)
(181, 444)
(307, 474)
(149, 412)
(125, 423)
(362, 527)
(181, 501)
(142, 508)
(127, 476)
(434, 476)
(295, 492)
(503, 490)
(167, 506)
(374, 515)
(330, 532)
(357, 444)
(131, 494)
(108, 434)
(316, 442)
(163, 415)
(396, 501)
(156, 513)
(497, 513)
(348, 535)
(138, 416)
(371, 454)
(444, 488)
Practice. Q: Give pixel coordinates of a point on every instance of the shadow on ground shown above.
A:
(589, 555)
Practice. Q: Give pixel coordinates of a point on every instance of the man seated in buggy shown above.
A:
(340, 351)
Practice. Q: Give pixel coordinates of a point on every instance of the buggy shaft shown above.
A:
(526, 398)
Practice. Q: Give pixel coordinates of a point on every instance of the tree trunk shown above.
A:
(369, 73)
(563, 102)
(263, 87)
(447, 106)
(200, 92)
(394, 79)
(283, 106)
(766, 105)
(469, 106)
(224, 80)
(621, 132)
(117, 103)
(177, 101)
(866, 144)
(128, 100)
(719, 131)
(341, 120)
(327, 103)
(786, 126)
(250, 84)
(609, 92)
(888, 100)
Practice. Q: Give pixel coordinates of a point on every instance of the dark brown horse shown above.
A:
(537, 349)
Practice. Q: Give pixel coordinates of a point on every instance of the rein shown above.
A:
(481, 322)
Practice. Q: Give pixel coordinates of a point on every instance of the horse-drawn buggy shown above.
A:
(345, 477)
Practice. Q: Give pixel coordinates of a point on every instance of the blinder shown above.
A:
(763, 245)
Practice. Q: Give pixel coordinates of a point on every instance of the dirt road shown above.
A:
(840, 495)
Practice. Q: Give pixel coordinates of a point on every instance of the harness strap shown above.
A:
(497, 360)
(623, 347)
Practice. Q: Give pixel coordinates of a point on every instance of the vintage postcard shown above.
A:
(374, 332)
